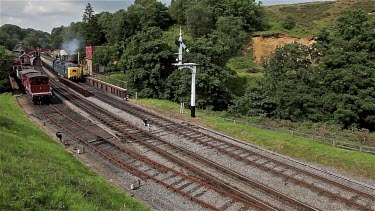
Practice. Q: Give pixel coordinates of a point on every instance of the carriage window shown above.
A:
(33, 82)
(74, 71)
(44, 81)
(38, 81)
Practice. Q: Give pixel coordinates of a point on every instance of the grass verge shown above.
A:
(356, 163)
(37, 173)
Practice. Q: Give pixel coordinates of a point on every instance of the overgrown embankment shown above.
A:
(309, 19)
(37, 173)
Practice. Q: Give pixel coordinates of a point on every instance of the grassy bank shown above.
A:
(37, 173)
(310, 18)
(356, 163)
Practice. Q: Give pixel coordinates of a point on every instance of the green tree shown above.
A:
(200, 19)
(293, 84)
(231, 31)
(73, 31)
(6, 59)
(332, 81)
(90, 30)
(105, 21)
(13, 31)
(147, 62)
(44, 40)
(127, 23)
(213, 79)
(4, 37)
(249, 11)
(156, 14)
(255, 102)
(88, 14)
(211, 89)
(151, 13)
(57, 37)
(11, 35)
(177, 10)
(31, 40)
(288, 23)
(144, 2)
(118, 28)
(347, 70)
(105, 56)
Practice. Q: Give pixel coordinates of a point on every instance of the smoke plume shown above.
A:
(71, 46)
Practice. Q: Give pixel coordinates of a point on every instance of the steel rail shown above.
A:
(253, 203)
(132, 169)
(249, 200)
(258, 185)
(131, 110)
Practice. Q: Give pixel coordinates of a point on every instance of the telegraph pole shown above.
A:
(191, 66)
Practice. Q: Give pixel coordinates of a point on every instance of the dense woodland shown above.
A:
(332, 81)
(11, 36)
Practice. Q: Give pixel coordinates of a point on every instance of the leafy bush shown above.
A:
(288, 23)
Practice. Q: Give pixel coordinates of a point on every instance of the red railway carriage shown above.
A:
(21, 74)
(36, 85)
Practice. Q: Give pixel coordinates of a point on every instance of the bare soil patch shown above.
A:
(264, 46)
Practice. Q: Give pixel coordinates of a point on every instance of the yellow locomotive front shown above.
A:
(74, 72)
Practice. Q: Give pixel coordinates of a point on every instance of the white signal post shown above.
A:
(191, 66)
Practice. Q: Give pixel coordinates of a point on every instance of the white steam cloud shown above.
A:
(71, 46)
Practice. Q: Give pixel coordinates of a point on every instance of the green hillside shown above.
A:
(37, 173)
(310, 18)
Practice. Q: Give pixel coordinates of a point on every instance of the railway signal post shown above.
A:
(191, 66)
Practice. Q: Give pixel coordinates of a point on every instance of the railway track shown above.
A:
(132, 162)
(250, 157)
(200, 180)
(279, 167)
(144, 137)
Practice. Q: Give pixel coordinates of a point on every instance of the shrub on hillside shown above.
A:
(288, 23)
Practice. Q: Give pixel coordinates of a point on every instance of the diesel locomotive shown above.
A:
(65, 69)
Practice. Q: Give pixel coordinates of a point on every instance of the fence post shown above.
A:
(292, 132)
(334, 143)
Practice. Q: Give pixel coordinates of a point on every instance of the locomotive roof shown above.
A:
(46, 56)
(37, 75)
(26, 71)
